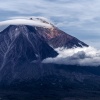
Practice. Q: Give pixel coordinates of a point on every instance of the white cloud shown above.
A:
(87, 56)
(33, 22)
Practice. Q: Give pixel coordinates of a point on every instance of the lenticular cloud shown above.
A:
(86, 56)
(34, 22)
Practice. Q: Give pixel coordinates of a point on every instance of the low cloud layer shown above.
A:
(87, 56)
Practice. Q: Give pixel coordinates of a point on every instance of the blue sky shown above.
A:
(80, 18)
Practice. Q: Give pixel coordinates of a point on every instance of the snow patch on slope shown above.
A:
(86, 56)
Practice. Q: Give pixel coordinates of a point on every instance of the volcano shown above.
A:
(24, 43)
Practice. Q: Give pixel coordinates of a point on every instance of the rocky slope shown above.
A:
(20, 44)
(57, 38)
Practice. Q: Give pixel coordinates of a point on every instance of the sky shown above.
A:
(79, 18)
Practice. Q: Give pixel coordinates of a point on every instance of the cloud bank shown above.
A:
(86, 56)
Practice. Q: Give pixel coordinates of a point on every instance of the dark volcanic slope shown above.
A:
(19, 44)
(57, 38)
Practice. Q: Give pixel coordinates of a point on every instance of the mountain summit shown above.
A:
(51, 34)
